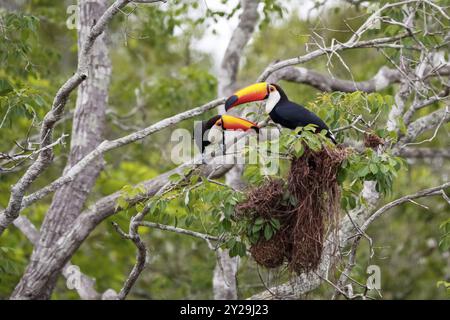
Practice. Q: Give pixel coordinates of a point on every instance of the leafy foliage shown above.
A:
(19, 93)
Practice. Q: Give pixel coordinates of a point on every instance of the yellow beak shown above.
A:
(255, 92)
(236, 123)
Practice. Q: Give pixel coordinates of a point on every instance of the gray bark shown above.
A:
(87, 134)
(384, 77)
(85, 286)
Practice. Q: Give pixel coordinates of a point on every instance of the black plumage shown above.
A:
(199, 132)
(292, 115)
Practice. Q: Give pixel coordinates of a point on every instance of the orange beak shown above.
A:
(234, 123)
(255, 92)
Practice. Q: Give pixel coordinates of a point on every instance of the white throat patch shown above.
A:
(215, 135)
(271, 102)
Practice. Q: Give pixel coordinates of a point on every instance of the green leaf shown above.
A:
(256, 228)
(226, 224)
(351, 203)
(259, 221)
(293, 200)
(234, 250)
(121, 203)
(189, 220)
(298, 148)
(231, 243)
(5, 87)
(140, 206)
(342, 174)
(228, 210)
(275, 223)
(344, 202)
(240, 248)
(175, 177)
(373, 168)
(268, 232)
(364, 171)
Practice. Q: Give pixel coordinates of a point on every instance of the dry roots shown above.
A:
(304, 223)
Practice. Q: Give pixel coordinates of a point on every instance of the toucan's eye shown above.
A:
(272, 89)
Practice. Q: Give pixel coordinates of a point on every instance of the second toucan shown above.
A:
(280, 109)
(212, 131)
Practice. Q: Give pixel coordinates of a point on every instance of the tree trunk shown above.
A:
(87, 133)
(224, 279)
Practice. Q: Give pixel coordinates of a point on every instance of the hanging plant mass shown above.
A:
(306, 206)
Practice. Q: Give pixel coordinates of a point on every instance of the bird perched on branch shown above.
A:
(282, 111)
(212, 131)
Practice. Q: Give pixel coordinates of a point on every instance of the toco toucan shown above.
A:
(212, 131)
(282, 111)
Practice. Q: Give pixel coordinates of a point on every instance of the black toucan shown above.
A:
(212, 131)
(282, 111)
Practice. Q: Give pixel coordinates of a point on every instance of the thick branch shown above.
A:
(425, 123)
(84, 285)
(421, 153)
(384, 77)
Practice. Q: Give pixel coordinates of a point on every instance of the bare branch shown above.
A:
(420, 194)
(195, 234)
(141, 253)
(320, 52)
(423, 124)
(106, 146)
(149, 1)
(20, 158)
(384, 77)
(45, 158)
(444, 119)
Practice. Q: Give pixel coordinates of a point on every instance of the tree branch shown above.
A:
(362, 229)
(84, 284)
(106, 146)
(45, 158)
(423, 124)
(224, 276)
(191, 233)
(320, 52)
(384, 77)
